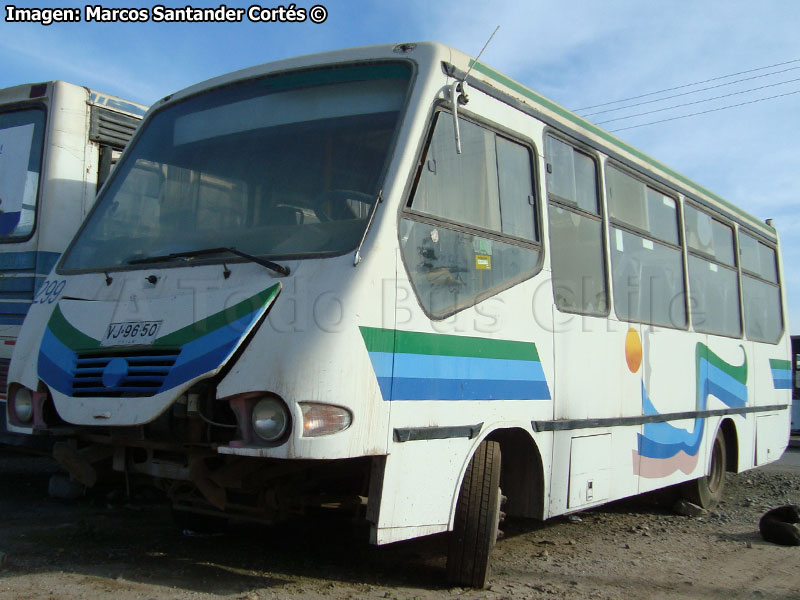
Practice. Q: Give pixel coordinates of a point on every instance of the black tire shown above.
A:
(706, 492)
(476, 519)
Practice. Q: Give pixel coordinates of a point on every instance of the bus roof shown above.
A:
(31, 91)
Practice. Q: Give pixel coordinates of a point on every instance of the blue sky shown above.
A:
(578, 53)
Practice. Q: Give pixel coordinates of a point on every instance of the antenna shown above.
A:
(458, 93)
(480, 53)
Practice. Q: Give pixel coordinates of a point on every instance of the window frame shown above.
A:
(44, 108)
(696, 205)
(601, 216)
(393, 153)
(632, 229)
(407, 209)
(441, 109)
(778, 283)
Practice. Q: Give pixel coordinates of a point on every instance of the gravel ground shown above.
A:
(129, 548)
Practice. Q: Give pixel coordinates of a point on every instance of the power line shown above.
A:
(705, 89)
(788, 62)
(739, 93)
(706, 111)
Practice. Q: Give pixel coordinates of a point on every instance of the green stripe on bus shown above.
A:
(220, 319)
(378, 340)
(570, 116)
(68, 335)
(778, 363)
(411, 342)
(738, 373)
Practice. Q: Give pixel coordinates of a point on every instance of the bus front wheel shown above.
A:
(476, 520)
(706, 492)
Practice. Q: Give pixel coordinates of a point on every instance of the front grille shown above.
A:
(144, 376)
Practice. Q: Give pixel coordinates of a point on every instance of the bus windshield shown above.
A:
(284, 166)
(21, 140)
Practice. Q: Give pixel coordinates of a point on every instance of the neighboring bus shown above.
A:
(58, 142)
(351, 281)
(796, 383)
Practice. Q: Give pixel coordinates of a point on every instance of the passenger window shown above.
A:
(576, 230)
(634, 203)
(646, 258)
(471, 228)
(713, 278)
(763, 321)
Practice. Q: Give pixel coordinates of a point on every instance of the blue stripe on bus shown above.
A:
(208, 352)
(409, 388)
(466, 367)
(17, 284)
(439, 377)
(14, 308)
(5, 320)
(383, 363)
(21, 275)
(782, 379)
(42, 262)
(57, 361)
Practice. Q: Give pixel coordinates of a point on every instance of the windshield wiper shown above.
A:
(189, 254)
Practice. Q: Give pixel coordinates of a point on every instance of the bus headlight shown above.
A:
(323, 419)
(23, 404)
(270, 419)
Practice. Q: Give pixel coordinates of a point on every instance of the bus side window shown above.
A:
(471, 228)
(761, 293)
(713, 276)
(646, 257)
(21, 144)
(576, 230)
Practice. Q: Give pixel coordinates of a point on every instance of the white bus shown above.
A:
(58, 142)
(357, 280)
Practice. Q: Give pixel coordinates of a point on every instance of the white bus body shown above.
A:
(58, 142)
(408, 313)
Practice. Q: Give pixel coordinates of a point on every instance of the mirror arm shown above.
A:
(458, 95)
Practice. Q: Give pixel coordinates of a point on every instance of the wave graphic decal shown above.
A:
(662, 448)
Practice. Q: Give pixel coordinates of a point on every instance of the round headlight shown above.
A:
(270, 419)
(23, 405)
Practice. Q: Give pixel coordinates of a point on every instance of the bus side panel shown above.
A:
(597, 376)
(770, 377)
(418, 482)
(71, 168)
(674, 362)
(437, 366)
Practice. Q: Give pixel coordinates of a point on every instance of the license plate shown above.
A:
(131, 333)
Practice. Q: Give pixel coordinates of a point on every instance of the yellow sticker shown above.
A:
(483, 262)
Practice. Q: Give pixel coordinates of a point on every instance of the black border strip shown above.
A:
(567, 425)
(415, 434)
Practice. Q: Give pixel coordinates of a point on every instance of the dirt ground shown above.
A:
(107, 547)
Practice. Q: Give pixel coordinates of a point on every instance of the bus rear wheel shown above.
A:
(476, 520)
(706, 492)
